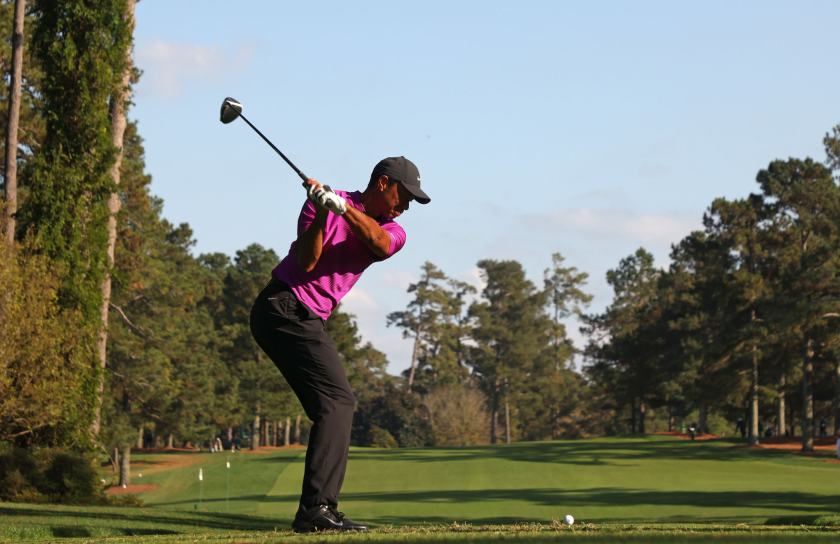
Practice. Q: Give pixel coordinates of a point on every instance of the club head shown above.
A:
(230, 110)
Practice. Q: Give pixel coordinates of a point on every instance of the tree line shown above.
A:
(744, 321)
(114, 334)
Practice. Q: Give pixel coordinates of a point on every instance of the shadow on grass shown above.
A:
(610, 497)
(612, 451)
(124, 518)
(70, 532)
(592, 497)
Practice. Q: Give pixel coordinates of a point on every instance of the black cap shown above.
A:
(404, 171)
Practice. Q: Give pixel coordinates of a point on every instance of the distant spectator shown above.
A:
(822, 426)
(838, 448)
(742, 427)
(692, 429)
(760, 428)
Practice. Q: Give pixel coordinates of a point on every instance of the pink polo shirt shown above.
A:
(343, 258)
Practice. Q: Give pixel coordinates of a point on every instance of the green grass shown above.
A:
(619, 489)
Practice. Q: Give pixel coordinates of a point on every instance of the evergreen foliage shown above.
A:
(742, 324)
(31, 128)
(42, 357)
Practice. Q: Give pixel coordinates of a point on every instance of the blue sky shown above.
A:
(585, 128)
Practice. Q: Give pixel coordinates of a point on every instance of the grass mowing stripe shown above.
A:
(282, 500)
(644, 480)
(251, 477)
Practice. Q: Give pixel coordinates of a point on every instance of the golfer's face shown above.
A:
(397, 198)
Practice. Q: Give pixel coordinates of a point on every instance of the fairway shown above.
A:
(620, 489)
(616, 480)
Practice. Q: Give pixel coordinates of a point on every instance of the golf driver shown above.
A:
(231, 109)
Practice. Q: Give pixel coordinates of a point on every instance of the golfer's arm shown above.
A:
(311, 241)
(368, 231)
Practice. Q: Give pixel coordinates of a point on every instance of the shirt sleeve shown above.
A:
(397, 235)
(307, 216)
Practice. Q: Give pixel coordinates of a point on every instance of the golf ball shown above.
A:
(569, 520)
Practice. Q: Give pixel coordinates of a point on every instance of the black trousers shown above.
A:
(296, 339)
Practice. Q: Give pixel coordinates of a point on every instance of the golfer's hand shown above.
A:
(325, 197)
(333, 202)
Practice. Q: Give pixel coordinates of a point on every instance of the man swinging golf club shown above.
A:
(339, 235)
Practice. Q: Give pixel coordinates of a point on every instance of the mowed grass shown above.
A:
(617, 488)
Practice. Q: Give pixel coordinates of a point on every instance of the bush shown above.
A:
(403, 416)
(380, 438)
(458, 416)
(45, 355)
(42, 475)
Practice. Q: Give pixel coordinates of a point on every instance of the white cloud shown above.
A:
(398, 279)
(473, 277)
(170, 64)
(616, 223)
(360, 302)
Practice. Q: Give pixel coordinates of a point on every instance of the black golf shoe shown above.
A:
(323, 518)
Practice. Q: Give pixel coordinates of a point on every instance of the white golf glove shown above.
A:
(327, 198)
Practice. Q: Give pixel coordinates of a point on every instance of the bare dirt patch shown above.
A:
(269, 449)
(686, 436)
(822, 444)
(119, 490)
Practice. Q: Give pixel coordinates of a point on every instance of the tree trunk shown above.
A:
(807, 396)
(140, 438)
(266, 426)
(701, 427)
(10, 178)
(507, 422)
(119, 101)
(671, 417)
(633, 416)
(276, 430)
(125, 466)
(289, 426)
(413, 359)
(297, 430)
(170, 441)
(494, 419)
(837, 397)
(754, 438)
(782, 426)
(229, 436)
(116, 460)
(641, 416)
(255, 432)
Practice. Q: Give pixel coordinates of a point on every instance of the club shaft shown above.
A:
(295, 168)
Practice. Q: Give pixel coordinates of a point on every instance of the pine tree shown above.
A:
(30, 123)
(162, 358)
(435, 319)
(80, 48)
(617, 360)
(513, 336)
(262, 389)
(803, 202)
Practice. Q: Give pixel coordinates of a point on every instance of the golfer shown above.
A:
(339, 235)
